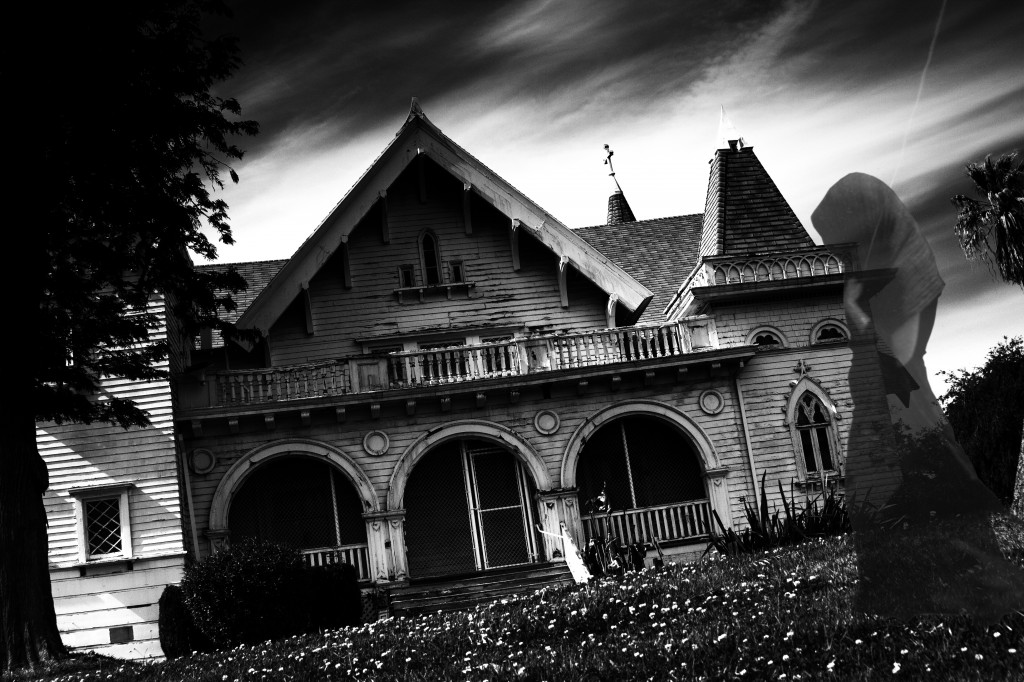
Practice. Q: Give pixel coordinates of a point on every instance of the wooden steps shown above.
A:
(462, 593)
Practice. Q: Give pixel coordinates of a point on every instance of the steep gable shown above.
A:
(420, 138)
(745, 212)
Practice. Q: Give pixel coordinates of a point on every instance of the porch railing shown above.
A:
(667, 522)
(346, 554)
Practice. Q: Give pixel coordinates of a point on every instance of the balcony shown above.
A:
(460, 364)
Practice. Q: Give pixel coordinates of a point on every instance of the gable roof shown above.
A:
(660, 253)
(419, 136)
(257, 275)
(745, 212)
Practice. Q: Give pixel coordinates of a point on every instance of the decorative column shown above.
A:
(718, 494)
(379, 545)
(219, 539)
(396, 537)
(557, 508)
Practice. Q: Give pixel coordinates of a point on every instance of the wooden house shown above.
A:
(447, 376)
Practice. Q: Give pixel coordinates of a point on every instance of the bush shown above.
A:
(767, 531)
(257, 591)
(332, 595)
(249, 593)
(179, 635)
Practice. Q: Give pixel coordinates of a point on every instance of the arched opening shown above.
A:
(640, 479)
(305, 503)
(814, 436)
(431, 256)
(468, 507)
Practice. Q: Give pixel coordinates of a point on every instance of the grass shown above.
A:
(783, 614)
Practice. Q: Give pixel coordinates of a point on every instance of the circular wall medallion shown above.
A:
(376, 443)
(203, 461)
(546, 422)
(711, 402)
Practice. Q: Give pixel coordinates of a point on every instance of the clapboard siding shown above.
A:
(90, 599)
(502, 298)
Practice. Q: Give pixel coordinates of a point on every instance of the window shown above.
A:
(829, 333)
(814, 434)
(430, 254)
(458, 272)
(406, 276)
(102, 517)
(767, 341)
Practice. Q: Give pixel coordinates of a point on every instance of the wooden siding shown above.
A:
(112, 594)
(502, 298)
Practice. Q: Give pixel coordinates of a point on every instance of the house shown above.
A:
(447, 376)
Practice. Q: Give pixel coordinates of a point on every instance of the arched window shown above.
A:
(766, 338)
(829, 331)
(814, 435)
(767, 341)
(431, 257)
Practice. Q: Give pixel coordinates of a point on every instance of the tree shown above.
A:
(119, 133)
(993, 228)
(985, 407)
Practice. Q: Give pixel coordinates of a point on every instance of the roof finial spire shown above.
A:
(728, 138)
(611, 168)
(618, 208)
(415, 109)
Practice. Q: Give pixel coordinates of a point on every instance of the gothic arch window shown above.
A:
(829, 331)
(766, 338)
(813, 428)
(430, 256)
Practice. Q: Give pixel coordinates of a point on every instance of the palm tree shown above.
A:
(994, 226)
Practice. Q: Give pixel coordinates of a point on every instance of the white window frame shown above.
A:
(120, 491)
(807, 385)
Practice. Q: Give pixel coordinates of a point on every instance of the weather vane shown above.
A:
(611, 168)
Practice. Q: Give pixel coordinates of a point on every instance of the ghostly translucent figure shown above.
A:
(921, 518)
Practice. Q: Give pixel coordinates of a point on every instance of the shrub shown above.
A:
(179, 635)
(332, 596)
(767, 531)
(249, 593)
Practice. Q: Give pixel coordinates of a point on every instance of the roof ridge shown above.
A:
(640, 222)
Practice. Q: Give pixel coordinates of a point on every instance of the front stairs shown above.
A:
(462, 592)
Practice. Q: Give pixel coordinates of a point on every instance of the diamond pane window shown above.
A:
(103, 526)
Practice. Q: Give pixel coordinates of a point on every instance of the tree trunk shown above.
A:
(1017, 508)
(28, 624)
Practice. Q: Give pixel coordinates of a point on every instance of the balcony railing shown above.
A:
(346, 554)
(457, 364)
(667, 522)
(719, 271)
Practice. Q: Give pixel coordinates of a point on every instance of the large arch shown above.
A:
(235, 476)
(701, 442)
(467, 428)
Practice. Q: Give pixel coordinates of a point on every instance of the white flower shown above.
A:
(895, 668)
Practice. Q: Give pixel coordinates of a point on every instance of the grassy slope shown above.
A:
(785, 614)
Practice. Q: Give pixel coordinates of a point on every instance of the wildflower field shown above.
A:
(784, 614)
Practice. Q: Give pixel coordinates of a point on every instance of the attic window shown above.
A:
(830, 333)
(429, 252)
(406, 276)
(458, 272)
(767, 341)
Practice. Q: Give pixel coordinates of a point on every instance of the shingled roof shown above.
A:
(745, 212)
(256, 273)
(658, 253)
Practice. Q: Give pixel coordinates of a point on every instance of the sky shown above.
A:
(907, 91)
